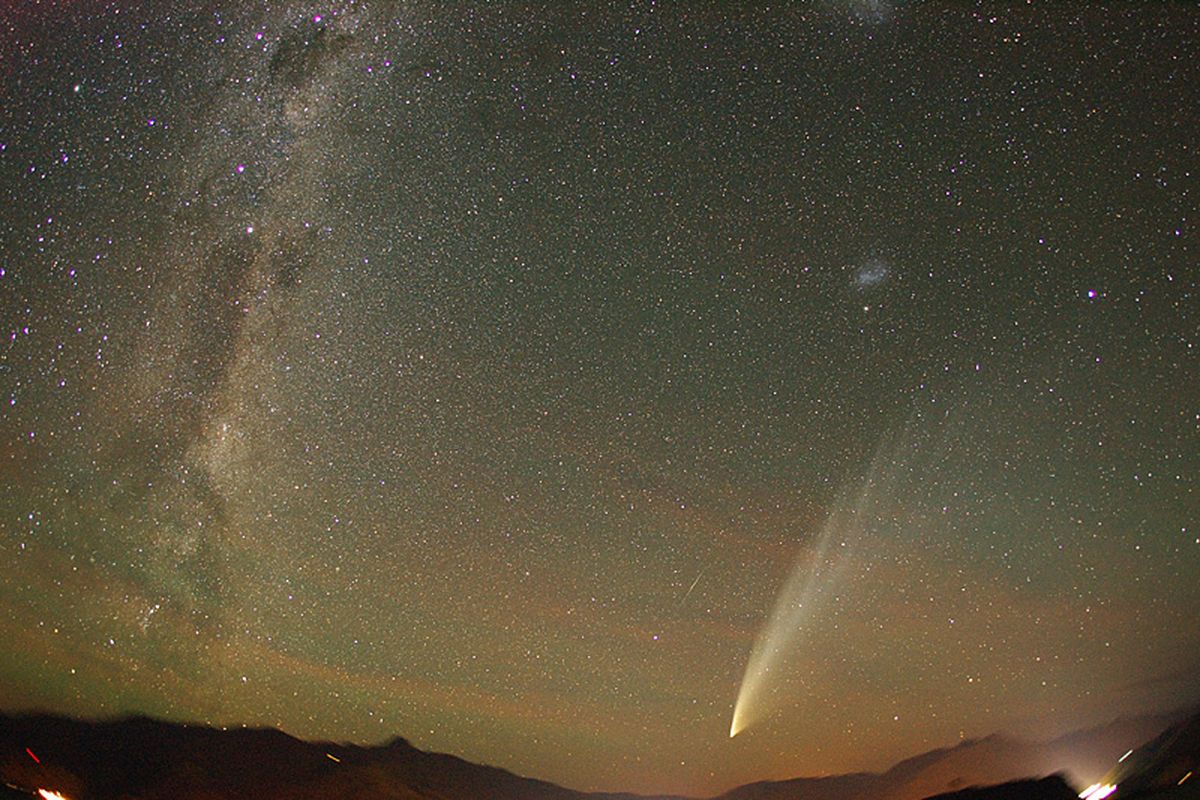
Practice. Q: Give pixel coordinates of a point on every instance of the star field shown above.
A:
(479, 376)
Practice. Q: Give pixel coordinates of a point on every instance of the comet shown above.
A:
(810, 587)
(813, 584)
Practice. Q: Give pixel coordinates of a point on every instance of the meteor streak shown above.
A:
(688, 593)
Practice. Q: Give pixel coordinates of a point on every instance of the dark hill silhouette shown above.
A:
(1167, 766)
(1051, 788)
(1083, 755)
(146, 759)
(832, 788)
(154, 760)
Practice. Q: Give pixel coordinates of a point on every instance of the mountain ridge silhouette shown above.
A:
(142, 758)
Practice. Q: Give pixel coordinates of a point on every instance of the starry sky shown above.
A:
(483, 375)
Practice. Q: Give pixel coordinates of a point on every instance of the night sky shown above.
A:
(494, 377)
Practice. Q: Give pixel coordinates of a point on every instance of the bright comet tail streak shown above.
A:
(812, 585)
